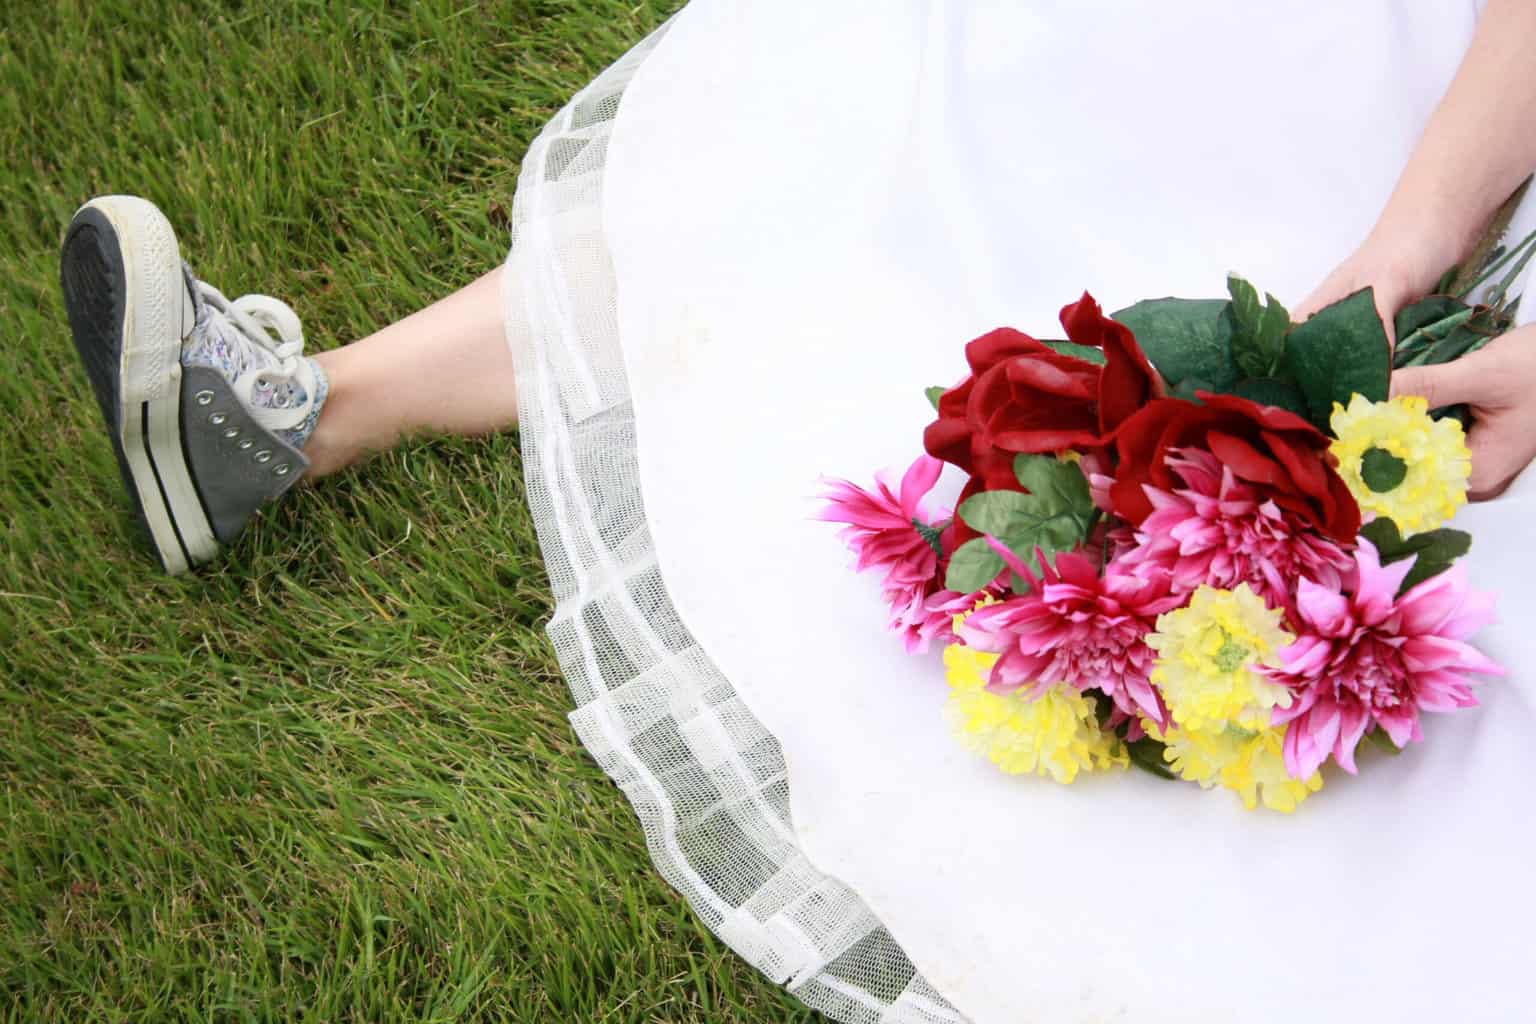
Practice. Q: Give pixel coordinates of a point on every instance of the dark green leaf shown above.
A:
(1277, 391)
(1414, 346)
(1421, 314)
(1190, 387)
(933, 394)
(932, 535)
(1434, 550)
(973, 566)
(1381, 470)
(1185, 339)
(1148, 755)
(1341, 351)
(1087, 353)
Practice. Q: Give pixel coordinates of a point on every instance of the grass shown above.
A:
(330, 779)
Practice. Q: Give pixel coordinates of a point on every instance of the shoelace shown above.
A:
(266, 322)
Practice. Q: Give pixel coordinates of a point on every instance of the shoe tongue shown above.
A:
(215, 341)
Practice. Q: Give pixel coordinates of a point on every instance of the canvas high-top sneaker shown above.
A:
(208, 402)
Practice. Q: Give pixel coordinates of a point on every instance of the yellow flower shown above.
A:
(1054, 734)
(1400, 463)
(1250, 763)
(1207, 653)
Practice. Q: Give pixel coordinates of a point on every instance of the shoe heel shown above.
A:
(123, 290)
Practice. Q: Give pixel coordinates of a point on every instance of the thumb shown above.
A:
(1446, 384)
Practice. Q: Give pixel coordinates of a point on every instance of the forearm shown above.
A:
(1479, 144)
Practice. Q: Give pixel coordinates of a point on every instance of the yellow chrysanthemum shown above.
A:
(1250, 763)
(1207, 653)
(1053, 734)
(1421, 464)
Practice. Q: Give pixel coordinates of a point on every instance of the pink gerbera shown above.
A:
(1220, 531)
(892, 529)
(1079, 628)
(1369, 658)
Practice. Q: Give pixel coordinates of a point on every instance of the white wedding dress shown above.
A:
(738, 258)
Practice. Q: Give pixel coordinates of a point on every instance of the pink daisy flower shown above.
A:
(923, 619)
(1220, 531)
(1079, 628)
(889, 529)
(1371, 659)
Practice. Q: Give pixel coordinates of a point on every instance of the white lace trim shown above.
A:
(706, 779)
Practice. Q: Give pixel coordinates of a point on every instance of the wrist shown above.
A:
(1417, 244)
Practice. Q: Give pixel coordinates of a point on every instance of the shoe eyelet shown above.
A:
(281, 469)
(217, 419)
(232, 432)
(263, 456)
(203, 397)
(246, 444)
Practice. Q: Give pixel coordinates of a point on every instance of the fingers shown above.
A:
(1446, 384)
(1495, 463)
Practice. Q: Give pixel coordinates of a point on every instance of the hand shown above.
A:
(1499, 383)
(1400, 268)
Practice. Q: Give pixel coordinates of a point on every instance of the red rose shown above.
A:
(1277, 451)
(1024, 397)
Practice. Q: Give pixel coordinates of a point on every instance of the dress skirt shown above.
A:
(738, 257)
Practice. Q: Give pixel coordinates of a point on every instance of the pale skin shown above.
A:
(1475, 151)
(448, 369)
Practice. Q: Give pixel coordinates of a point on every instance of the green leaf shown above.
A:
(1185, 339)
(973, 565)
(1381, 470)
(1258, 337)
(1277, 391)
(1087, 353)
(1341, 351)
(1274, 324)
(1054, 516)
(1190, 387)
(933, 394)
(1415, 346)
(1245, 306)
(1429, 310)
(1435, 550)
(1148, 755)
(931, 534)
(1059, 481)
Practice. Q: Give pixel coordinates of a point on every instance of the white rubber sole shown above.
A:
(157, 315)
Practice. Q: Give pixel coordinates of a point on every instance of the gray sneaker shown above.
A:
(207, 401)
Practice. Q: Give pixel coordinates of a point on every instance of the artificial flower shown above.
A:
(1369, 658)
(1055, 733)
(1022, 396)
(1077, 627)
(1401, 463)
(1279, 454)
(1220, 531)
(891, 529)
(1209, 658)
(1250, 763)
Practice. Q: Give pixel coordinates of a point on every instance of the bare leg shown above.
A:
(446, 368)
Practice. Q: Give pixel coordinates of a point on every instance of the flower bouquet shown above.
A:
(1195, 537)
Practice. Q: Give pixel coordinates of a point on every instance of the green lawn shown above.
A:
(330, 779)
